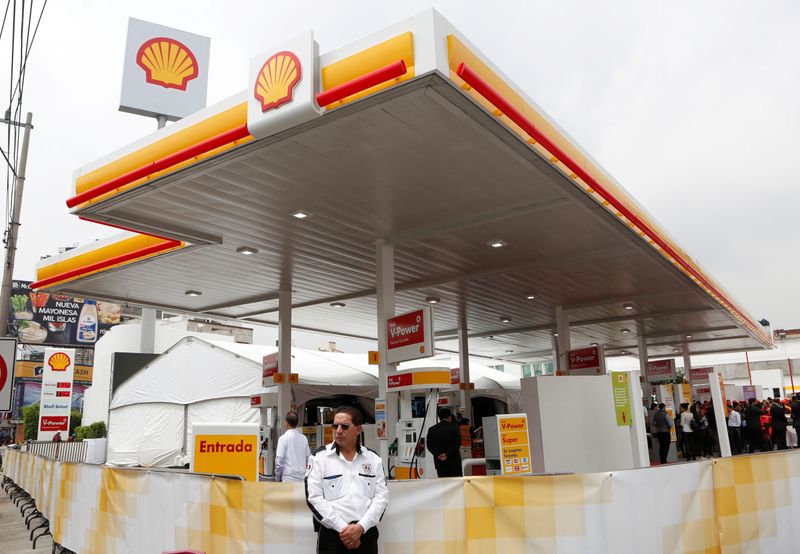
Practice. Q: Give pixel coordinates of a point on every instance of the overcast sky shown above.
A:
(692, 106)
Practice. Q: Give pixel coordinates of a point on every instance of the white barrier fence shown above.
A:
(742, 504)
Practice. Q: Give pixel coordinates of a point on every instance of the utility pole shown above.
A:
(11, 245)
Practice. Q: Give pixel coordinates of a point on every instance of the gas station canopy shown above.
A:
(418, 142)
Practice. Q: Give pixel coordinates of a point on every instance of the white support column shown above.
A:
(284, 355)
(641, 340)
(562, 328)
(463, 362)
(147, 337)
(719, 415)
(384, 286)
(687, 365)
(641, 456)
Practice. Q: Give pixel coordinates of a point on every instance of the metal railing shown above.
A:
(61, 451)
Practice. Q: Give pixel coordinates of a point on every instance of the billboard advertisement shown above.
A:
(44, 318)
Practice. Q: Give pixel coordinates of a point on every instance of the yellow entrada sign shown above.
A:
(227, 454)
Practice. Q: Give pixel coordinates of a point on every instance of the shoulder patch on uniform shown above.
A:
(371, 450)
(318, 450)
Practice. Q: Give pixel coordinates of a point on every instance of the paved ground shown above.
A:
(13, 533)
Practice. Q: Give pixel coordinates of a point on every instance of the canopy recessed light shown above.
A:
(192, 293)
(688, 336)
(624, 331)
(628, 306)
(624, 353)
(676, 350)
(337, 304)
(497, 243)
(594, 344)
(302, 214)
(530, 296)
(490, 337)
(432, 300)
(509, 351)
(505, 319)
(555, 334)
(247, 250)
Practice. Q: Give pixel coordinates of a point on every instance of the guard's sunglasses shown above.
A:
(344, 426)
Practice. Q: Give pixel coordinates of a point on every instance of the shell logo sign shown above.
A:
(281, 86)
(277, 80)
(59, 361)
(167, 62)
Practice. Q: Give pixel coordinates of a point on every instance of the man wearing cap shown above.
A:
(346, 489)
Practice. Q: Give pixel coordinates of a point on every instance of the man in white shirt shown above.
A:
(735, 429)
(292, 453)
(346, 489)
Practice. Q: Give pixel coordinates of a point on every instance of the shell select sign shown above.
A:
(167, 62)
(277, 79)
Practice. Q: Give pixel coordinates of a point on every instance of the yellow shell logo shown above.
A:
(59, 361)
(167, 62)
(276, 81)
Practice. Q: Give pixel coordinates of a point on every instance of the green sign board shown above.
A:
(622, 398)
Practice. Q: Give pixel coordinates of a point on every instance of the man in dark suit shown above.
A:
(779, 422)
(753, 417)
(796, 414)
(443, 442)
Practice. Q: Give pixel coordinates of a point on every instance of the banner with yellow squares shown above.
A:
(731, 505)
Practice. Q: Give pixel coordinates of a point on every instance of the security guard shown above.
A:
(346, 489)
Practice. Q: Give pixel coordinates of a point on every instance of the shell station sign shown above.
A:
(56, 402)
(409, 336)
(283, 84)
(165, 71)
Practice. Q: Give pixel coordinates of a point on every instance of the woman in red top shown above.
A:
(766, 428)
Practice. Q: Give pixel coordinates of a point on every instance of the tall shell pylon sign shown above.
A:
(277, 79)
(167, 62)
(165, 71)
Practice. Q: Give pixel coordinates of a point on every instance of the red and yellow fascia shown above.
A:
(344, 81)
(362, 74)
(487, 89)
(107, 256)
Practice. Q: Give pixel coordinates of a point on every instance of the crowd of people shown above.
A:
(752, 426)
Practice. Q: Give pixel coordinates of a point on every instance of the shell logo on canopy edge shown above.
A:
(59, 361)
(167, 62)
(277, 79)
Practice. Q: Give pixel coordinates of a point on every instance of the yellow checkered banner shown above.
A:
(741, 504)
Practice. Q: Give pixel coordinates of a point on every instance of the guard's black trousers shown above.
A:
(329, 542)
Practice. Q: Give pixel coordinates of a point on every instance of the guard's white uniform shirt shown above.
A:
(339, 492)
(291, 456)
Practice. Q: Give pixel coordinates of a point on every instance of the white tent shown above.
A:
(152, 413)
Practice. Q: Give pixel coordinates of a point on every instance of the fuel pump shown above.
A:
(419, 391)
(267, 404)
